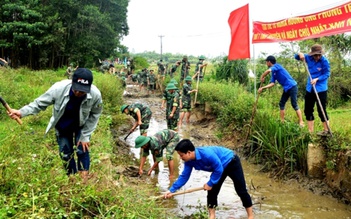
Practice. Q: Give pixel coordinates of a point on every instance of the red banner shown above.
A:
(329, 22)
(240, 34)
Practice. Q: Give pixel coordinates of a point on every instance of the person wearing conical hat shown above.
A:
(172, 99)
(186, 101)
(165, 139)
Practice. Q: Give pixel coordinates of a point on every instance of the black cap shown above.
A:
(271, 59)
(82, 80)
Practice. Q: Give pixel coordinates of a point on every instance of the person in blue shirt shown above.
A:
(282, 76)
(319, 70)
(222, 162)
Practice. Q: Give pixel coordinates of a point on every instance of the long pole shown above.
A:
(180, 192)
(253, 114)
(318, 100)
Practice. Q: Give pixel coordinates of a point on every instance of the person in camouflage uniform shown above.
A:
(143, 79)
(70, 70)
(174, 69)
(199, 69)
(186, 100)
(142, 115)
(165, 139)
(151, 81)
(161, 69)
(122, 76)
(174, 81)
(184, 68)
(105, 65)
(172, 99)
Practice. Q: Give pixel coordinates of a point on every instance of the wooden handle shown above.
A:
(19, 121)
(181, 192)
(8, 108)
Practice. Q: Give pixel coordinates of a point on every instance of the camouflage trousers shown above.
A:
(145, 119)
(172, 123)
(186, 106)
(171, 146)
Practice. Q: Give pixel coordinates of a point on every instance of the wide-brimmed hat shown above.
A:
(171, 86)
(316, 49)
(141, 141)
(82, 80)
(174, 81)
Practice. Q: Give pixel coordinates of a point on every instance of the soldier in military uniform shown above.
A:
(199, 69)
(70, 70)
(143, 79)
(184, 68)
(174, 69)
(151, 81)
(172, 99)
(142, 115)
(165, 139)
(186, 100)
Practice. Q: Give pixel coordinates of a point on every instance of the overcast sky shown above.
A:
(200, 27)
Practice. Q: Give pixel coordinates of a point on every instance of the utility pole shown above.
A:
(161, 44)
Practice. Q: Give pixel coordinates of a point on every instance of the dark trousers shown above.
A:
(311, 100)
(66, 150)
(235, 171)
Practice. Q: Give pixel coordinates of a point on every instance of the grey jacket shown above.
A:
(58, 96)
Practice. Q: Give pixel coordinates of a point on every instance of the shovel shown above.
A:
(19, 121)
(179, 193)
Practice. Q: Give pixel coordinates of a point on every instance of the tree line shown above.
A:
(54, 33)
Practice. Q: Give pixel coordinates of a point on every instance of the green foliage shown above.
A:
(227, 100)
(140, 62)
(280, 146)
(33, 183)
(62, 31)
(232, 71)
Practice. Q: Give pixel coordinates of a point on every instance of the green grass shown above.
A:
(33, 183)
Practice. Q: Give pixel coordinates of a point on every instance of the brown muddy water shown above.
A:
(271, 198)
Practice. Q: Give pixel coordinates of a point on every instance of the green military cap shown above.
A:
(141, 141)
(174, 81)
(188, 78)
(171, 86)
(123, 107)
(202, 57)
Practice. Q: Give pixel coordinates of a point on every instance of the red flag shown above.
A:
(239, 26)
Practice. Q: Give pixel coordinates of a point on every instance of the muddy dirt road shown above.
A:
(272, 199)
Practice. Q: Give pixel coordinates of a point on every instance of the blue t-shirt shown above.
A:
(211, 159)
(283, 77)
(320, 70)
